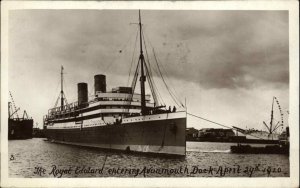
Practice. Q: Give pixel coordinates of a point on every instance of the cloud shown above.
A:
(232, 49)
(218, 49)
(212, 50)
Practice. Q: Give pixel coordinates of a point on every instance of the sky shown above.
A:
(225, 65)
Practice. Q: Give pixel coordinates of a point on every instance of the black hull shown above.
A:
(273, 149)
(20, 129)
(233, 140)
(165, 136)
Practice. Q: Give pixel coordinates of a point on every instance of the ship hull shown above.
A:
(164, 136)
(20, 129)
(272, 149)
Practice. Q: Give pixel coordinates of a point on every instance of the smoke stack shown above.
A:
(82, 93)
(100, 83)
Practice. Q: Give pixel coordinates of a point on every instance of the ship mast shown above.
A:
(143, 77)
(271, 122)
(62, 90)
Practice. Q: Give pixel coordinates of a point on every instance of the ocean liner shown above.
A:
(18, 128)
(120, 119)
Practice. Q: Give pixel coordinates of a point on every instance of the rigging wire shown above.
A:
(59, 96)
(271, 129)
(120, 51)
(172, 94)
(217, 123)
(57, 100)
(14, 105)
(152, 85)
(280, 111)
(64, 93)
(132, 59)
(113, 60)
(125, 45)
(158, 95)
(58, 83)
(169, 88)
(164, 80)
(156, 88)
(133, 84)
(209, 120)
(170, 83)
(148, 74)
(158, 73)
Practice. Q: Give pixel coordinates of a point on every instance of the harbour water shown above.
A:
(38, 158)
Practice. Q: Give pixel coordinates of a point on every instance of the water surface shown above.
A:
(59, 160)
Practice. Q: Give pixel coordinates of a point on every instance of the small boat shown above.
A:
(281, 148)
(271, 149)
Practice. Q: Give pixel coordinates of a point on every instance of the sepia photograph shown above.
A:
(142, 91)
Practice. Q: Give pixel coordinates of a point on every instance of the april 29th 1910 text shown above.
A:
(219, 171)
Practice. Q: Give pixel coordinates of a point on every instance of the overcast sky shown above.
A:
(226, 64)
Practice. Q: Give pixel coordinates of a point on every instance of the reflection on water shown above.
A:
(56, 158)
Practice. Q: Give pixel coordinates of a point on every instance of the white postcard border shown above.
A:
(291, 181)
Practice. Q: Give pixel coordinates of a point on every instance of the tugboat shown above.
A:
(281, 148)
(18, 128)
(119, 119)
